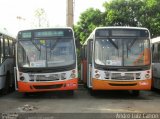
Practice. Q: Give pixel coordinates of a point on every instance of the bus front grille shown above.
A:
(124, 76)
(48, 86)
(54, 77)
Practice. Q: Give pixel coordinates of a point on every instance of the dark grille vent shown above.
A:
(126, 76)
(48, 86)
(112, 84)
(53, 77)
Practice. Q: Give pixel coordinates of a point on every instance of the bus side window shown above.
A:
(6, 47)
(89, 51)
(154, 53)
(1, 48)
(158, 53)
(11, 47)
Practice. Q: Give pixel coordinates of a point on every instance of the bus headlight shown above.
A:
(147, 76)
(73, 74)
(22, 78)
(63, 76)
(97, 76)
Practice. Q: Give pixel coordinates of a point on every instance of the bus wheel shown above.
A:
(70, 92)
(92, 92)
(135, 92)
(5, 90)
(27, 94)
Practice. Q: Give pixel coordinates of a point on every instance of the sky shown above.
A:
(55, 12)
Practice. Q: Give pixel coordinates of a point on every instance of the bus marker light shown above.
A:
(147, 76)
(143, 83)
(20, 73)
(69, 84)
(74, 71)
(96, 71)
(73, 75)
(22, 78)
(97, 76)
(148, 71)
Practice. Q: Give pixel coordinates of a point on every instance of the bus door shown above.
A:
(89, 62)
(15, 77)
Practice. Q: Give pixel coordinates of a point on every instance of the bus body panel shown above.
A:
(7, 59)
(55, 43)
(6, 66)
(156, 62)
(138, 64)
(121, 80)
(156, 82)
(121, 85)
(156, 75)
(47, 86)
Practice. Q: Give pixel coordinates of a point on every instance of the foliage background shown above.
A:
(141, 13)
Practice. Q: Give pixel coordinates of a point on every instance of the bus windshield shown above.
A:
(46, 52)
(122, 51)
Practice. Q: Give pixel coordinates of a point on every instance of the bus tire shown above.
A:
(70, 92)
(85, 85)
(6, 88)
(92, 92)
(135, 92)
(27, 94)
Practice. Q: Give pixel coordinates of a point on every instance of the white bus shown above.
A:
(117, 58)
(7, 61)
(156, 62)
(46, 60)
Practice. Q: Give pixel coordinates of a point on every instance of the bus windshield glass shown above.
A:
(52, 52)
(122, 51)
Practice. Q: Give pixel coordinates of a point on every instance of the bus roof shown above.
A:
(112, 27)
(155, 40)
(123, 27)
(46, 28)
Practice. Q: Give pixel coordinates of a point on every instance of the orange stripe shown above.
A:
(115, 85)
(29, 86)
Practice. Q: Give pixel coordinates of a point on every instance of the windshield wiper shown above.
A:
(131, 44)
(54, 45)
(113, 43)
(35, 45)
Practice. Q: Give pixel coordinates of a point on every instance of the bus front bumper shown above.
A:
(71, 84)
(121, 85)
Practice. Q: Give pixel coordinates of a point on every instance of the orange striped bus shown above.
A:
(117, 58)
(46, 60)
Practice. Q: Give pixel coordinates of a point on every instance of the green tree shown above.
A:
(138, 13)
(122, 12)
(88, 20)
(145, 13)
(150, 16)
